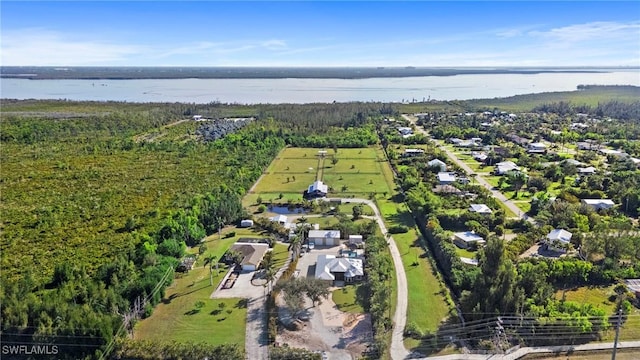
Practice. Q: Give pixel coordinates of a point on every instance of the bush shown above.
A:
(262, 208)
(230, 235)
(398, 229)
(413, 331)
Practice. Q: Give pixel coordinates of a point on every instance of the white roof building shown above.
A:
(560, 235)
(599, 204)
(329, 267)
(318, 187)
(413, 152)
(279, 219)
(506, 166)
(446, 178)
(558, 240)
(465, 239)
(480, 209)
(324, 237)
(587, 170)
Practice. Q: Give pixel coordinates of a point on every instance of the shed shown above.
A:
(325, 237)
(246, 223)
(480, 209)
(355, 239)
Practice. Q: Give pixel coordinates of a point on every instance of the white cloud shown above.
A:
(274, 44)
(592, 31)
(45, 47)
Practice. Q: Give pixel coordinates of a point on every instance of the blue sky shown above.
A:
(330, 33)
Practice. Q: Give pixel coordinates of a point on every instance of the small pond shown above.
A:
(285, 210)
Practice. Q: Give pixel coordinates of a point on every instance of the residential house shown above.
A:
(599, 204)
(636, 161)
(590, 170)
(480, 209)
(537, 148)
(446, 178)
(331, 268)
(587, 145)
(479, 156)
(197, 117)
(317, 189)
(616, 153)
(412, 152)
(558, 240)
(325, 237)
(437, 163)
(465, 239)
(405, 131)
(518, 139)
(252, 254)
(506, 166)
(634, 286)
(573, 162)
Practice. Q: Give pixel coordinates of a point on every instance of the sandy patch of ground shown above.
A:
(343, 336)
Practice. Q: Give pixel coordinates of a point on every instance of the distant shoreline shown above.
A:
(158, 73)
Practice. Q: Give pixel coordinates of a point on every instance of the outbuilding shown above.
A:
(325, 237)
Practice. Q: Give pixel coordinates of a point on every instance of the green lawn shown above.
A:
(280, 254)
(293, 166)
(524, 206)
(356, 183)
(277, 183)
(177, 318)
(493, 180)
(349, 298)
(466, 253)
(424, 288)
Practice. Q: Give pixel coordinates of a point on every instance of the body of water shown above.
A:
(253, 91)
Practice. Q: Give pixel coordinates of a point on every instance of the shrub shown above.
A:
(262, 208)
(398, 229)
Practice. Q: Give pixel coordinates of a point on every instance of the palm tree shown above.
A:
(210, 260)
(517, 179)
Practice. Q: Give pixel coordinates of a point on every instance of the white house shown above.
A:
(465, 239)
(506, 166)
(246, 223)
(536, 147)
(279, 219)
(325, 237)
(437, 163)
(599, 204)
(405, 131)
(446, 178)
(252, 254)
(331, 268)
(590, 170)
(479, 156)
(355, 239)
(558, 240)
(412, 152)
(480, 209)
(317, 189)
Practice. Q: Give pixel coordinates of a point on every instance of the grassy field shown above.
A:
(177, 318)
(359, 170)
(466, 253)
(349, 298)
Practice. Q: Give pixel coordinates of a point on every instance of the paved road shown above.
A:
(398, 351)
(539, 350)
(496, 194)
(256, 338)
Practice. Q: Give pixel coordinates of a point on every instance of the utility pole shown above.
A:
(615, 343)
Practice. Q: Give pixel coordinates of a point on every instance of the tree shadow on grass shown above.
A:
(241, 304)
(192, 312)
